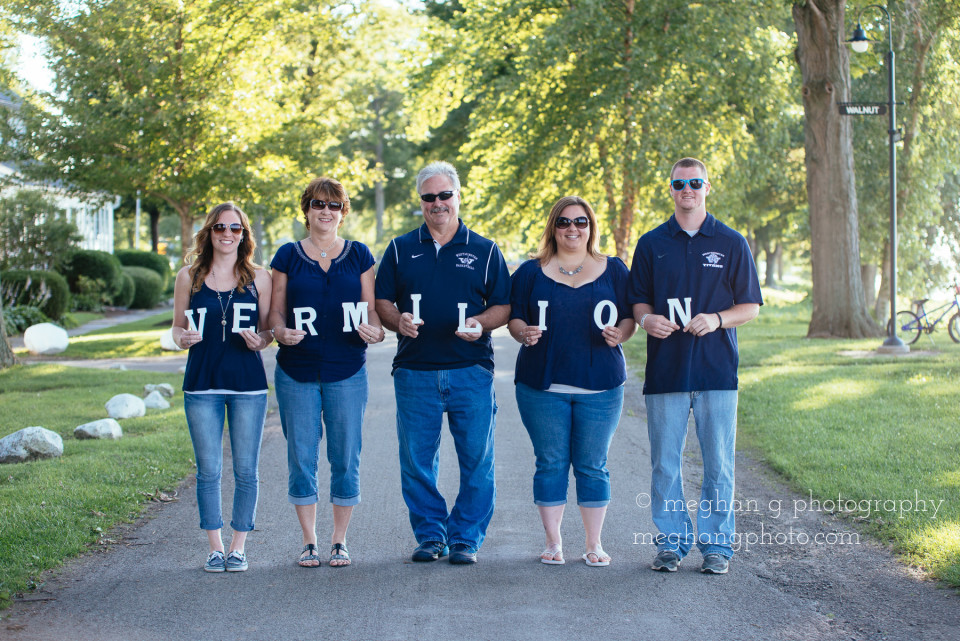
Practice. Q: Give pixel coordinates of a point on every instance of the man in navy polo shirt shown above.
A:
(443, 289)
(692, 282)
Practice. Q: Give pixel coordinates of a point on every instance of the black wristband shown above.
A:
(721, 320)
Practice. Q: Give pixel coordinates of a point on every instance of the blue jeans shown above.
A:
(570, 429)
(305, 408)
(715, 415)
(245, 414)
(467, 397)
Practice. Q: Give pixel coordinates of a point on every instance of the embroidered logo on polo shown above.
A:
(713, 260)
(466, 259)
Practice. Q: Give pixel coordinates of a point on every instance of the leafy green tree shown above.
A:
(34, 234)
(161, 96)
(597, 98)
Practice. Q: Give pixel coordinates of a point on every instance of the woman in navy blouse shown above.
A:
(569, 312)
(221, 300)
(323, 316)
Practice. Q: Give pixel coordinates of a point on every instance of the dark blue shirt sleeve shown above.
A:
(281, 260)
(521, 285)
(386, 287)
(638, 288)
(621, 278)
(498, 279)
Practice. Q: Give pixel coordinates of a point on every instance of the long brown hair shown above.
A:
(201, 256)
(548, 242)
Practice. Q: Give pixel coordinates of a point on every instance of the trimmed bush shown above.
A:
(18, 318)
(156, 262)
(127, 291)
(43, 289)
(94, 278)
(149, 287)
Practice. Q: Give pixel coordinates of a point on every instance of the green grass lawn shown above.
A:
(137, 339)
(53, 509)
(880, 431)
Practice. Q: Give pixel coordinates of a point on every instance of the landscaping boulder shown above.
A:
(156, 401)
(125, 406)
(165, 389)
(45, 338)
(119, 366)
(104, 428)
(166, 342)
(30, 443)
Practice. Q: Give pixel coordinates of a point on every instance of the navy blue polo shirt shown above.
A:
(680, 276)
(572, 350)
(469, 269)
(316, 297)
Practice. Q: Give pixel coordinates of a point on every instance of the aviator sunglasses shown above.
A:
(695, 183)
(580, 222)
(333, 205)
(443, 195)
(236, 228)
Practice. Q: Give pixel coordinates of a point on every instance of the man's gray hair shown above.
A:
(439, 168)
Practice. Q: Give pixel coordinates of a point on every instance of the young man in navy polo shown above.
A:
(692, 282)
(443, 289)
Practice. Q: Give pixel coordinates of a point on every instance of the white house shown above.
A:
(93, 214)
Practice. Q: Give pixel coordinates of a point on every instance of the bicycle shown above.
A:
(911, 324)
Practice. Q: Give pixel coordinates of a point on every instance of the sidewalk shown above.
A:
(112, 316)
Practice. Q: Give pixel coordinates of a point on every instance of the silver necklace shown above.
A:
(566, 273)
(223, 310)
(323, 252)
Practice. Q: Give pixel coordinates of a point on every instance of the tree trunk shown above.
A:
(154, 230)
(7, 359)
(838, 302)
(868, 274)
(779, 256)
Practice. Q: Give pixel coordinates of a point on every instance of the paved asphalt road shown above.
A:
(150, 586)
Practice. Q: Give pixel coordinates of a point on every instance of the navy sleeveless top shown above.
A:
(315, 303)
(221, 362)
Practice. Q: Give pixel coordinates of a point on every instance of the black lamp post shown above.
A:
(859, 43)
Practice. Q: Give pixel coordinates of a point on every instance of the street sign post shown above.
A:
(862, 108)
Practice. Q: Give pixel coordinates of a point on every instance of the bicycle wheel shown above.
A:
(908, 327)
(954, 328)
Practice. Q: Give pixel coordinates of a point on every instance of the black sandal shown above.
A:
(339, 553)
(305, 560)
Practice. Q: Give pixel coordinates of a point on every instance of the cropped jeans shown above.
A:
(466, 395)
(245, 414)
(305, 409)
(570, 429)
(715, 415)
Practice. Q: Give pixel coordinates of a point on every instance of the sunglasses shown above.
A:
(236, 228)
(695, 183)
(581, 222)
(443, 195)
(333, 205)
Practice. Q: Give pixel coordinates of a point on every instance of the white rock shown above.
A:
(119, 366)
(166, 389)
(104, 428)
(166, 341)
(125, 406)
(30, 443)
(156, 401)
(183, 369)
(45, 338)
